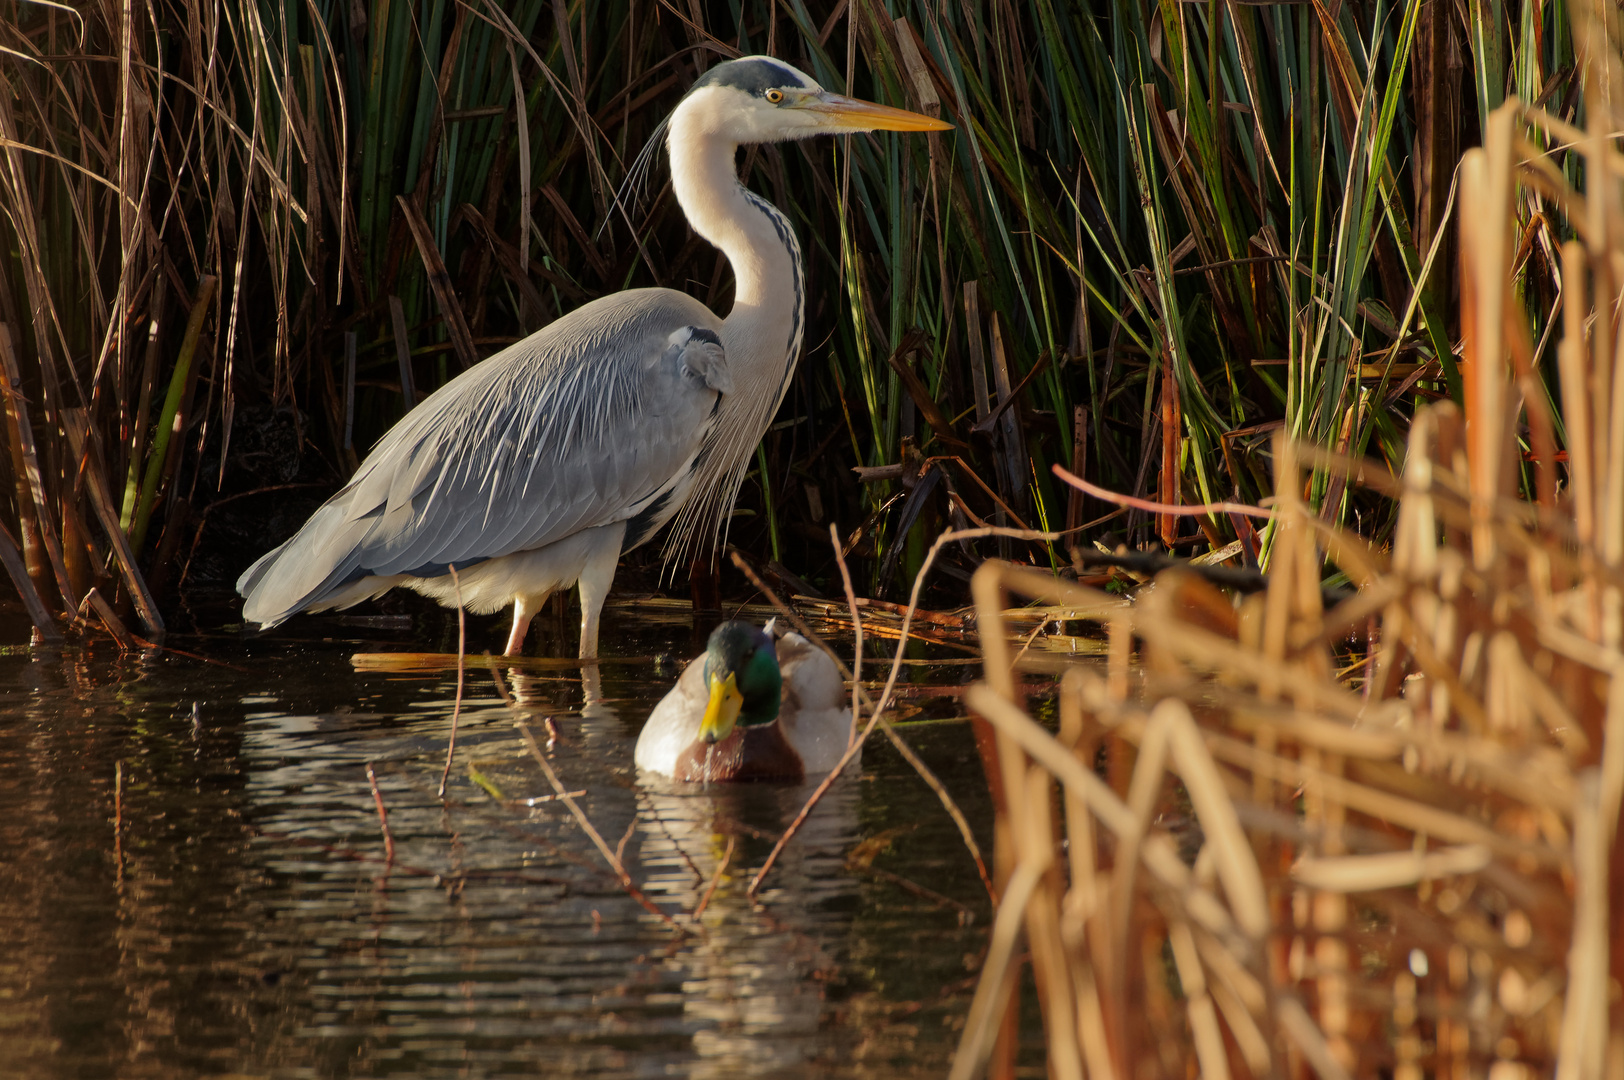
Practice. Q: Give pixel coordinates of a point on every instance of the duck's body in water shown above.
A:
(751, 708)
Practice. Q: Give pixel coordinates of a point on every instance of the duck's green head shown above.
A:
(741, 668)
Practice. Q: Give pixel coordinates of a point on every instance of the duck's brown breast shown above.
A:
(750, 753)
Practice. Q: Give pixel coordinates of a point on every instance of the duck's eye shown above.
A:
(775, 96)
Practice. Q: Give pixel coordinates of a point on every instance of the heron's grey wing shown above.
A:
(585, 423)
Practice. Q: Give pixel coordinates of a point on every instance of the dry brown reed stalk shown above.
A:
(1272, 871)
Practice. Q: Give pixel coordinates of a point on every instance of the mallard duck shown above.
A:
(749, 709)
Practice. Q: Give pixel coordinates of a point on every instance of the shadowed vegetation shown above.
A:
(238, 239)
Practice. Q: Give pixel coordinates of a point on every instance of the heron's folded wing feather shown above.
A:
(574, 427)
(562, 441)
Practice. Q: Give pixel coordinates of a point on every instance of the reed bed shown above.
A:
(237, 242)
(1283, 858)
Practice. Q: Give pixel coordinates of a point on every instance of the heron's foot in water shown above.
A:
(522, 614)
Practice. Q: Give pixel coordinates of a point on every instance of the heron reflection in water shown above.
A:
(537, 468)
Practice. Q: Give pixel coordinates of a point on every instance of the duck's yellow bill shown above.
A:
(723, 711)
(853, 114)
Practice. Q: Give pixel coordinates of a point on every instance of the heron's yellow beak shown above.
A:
(723, 709)
(851, 114)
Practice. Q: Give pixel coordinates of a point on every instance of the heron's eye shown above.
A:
(775, 96)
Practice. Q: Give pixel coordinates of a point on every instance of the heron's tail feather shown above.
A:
(309, 571)
(254, 597)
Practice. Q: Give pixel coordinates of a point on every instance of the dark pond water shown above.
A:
(193, 881)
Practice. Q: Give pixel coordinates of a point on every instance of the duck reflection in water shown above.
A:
(758, 705)
(756, 975)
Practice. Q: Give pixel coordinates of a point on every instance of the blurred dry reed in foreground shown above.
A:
(1406, 867)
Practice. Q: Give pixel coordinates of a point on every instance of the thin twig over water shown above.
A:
(383, 818)
(462, 653)
(565, 797)
(877, 710)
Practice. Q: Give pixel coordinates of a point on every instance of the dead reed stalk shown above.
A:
(1273, 869)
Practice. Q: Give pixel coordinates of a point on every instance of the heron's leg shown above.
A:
(524, 609)
(596, 577)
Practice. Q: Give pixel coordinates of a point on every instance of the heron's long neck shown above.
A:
(761, 335)
(764, 328)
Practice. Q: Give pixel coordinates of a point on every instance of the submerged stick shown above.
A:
(568, 799)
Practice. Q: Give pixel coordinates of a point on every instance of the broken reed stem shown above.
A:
(127, 642)
(81, 441)
(12, 558)
(383, 818)
(462, 653)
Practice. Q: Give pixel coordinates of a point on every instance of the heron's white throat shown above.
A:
(762, 333)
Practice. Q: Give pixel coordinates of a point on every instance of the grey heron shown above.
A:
(535, 469)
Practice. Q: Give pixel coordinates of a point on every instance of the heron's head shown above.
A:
(741, 670)
(758, 99)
